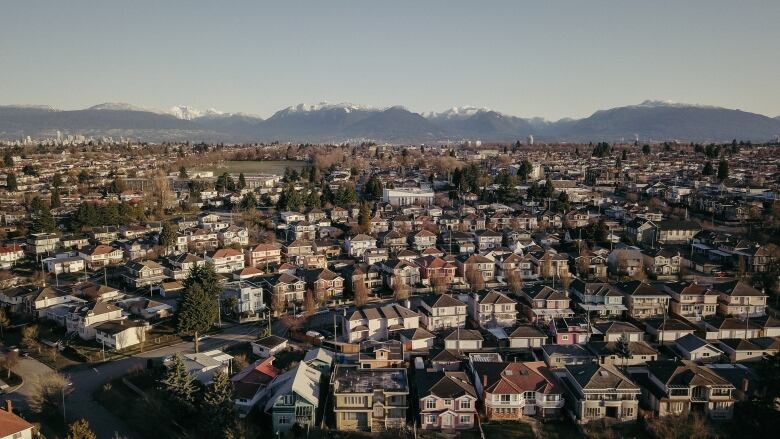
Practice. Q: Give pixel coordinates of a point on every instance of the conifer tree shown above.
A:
(218, 407)
(178, 382)
(80, 430)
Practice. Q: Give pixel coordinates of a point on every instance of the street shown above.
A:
(86, 379)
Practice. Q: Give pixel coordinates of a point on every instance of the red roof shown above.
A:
(10, 423)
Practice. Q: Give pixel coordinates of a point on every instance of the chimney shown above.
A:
(9, 406)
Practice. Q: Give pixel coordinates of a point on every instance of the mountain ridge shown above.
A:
(650, 120)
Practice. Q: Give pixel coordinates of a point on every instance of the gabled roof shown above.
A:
(442, 301)
(494, 297)
(684, 374)
(596, 377)
(448, 385)
(737, 288)
(303, 380)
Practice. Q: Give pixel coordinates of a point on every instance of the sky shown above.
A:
(550, 59)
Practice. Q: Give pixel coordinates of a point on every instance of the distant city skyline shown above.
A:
(528, 59)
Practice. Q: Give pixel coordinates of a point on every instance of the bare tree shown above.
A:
(439, 283)
(474, 278)
(401, 290)
(30, 337)
(47, 393)
(309, 303)
(10, 361)
(278, 304)
(360, 292)
(515, 280)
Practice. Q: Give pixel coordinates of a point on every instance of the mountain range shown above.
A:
(648, 121)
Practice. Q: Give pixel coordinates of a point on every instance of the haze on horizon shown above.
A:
(547, 59)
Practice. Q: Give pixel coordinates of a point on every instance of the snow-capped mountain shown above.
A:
(186, 112)
(456, 112)
(344, 106)
(325, 122)
(118, 106)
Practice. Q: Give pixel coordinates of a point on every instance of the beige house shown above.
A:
(737, 298)
(85, 318)
(676, 387)
(691, 300)
(442, 311)
(369, 399)
(599, 392)
(121, 334)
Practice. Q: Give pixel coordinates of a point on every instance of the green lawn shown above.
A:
(559, 430)
(507, 430)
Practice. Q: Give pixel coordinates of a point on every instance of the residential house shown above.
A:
(378, 323)
(694, 348)
(140, 274)
(615, 330)
(121, 334)
(357, 245)
(263, 255)
(610, 353)
(293, 398)
(595, 392)
(99, 256)
(492, 309)
(13, 426)
(737, 298)
(442, 311)
(543, 303)
(226, 260)
(448, 400)
(600, 298)
(570, 330)
(644, 300)
(369, 399)
(423, 239)
(513, 391)
(675, 387)
(233, 235)
(527, 337)
(749, 349)
(250, 383)
(463, 340)
(692, 300)
(83, 319)
(267, 346)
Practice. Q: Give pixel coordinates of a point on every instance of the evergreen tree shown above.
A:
(374, 188)
(57, 180)
(249, 202)
(43, 220)
(723, 170)
(198, 307)
(182, 172)
(8, 159)
(708, 170)
(219, 410)
(364, 218)
(168, 236)
(55, 197)
(646, 149)
(80, 430)
(241, 181)
(178, 382)
(623, 349)
(10, 182)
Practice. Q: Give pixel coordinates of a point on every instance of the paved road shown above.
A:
(86, 379)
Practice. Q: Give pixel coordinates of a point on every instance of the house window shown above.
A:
(283, 420)
(504, 398)
(447, 402)
(465, 404)
(465, 419)
(628, 412)
(430, 403)
(350, 416)
(592, 412)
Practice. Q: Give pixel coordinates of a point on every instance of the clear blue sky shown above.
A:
(543, 58)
